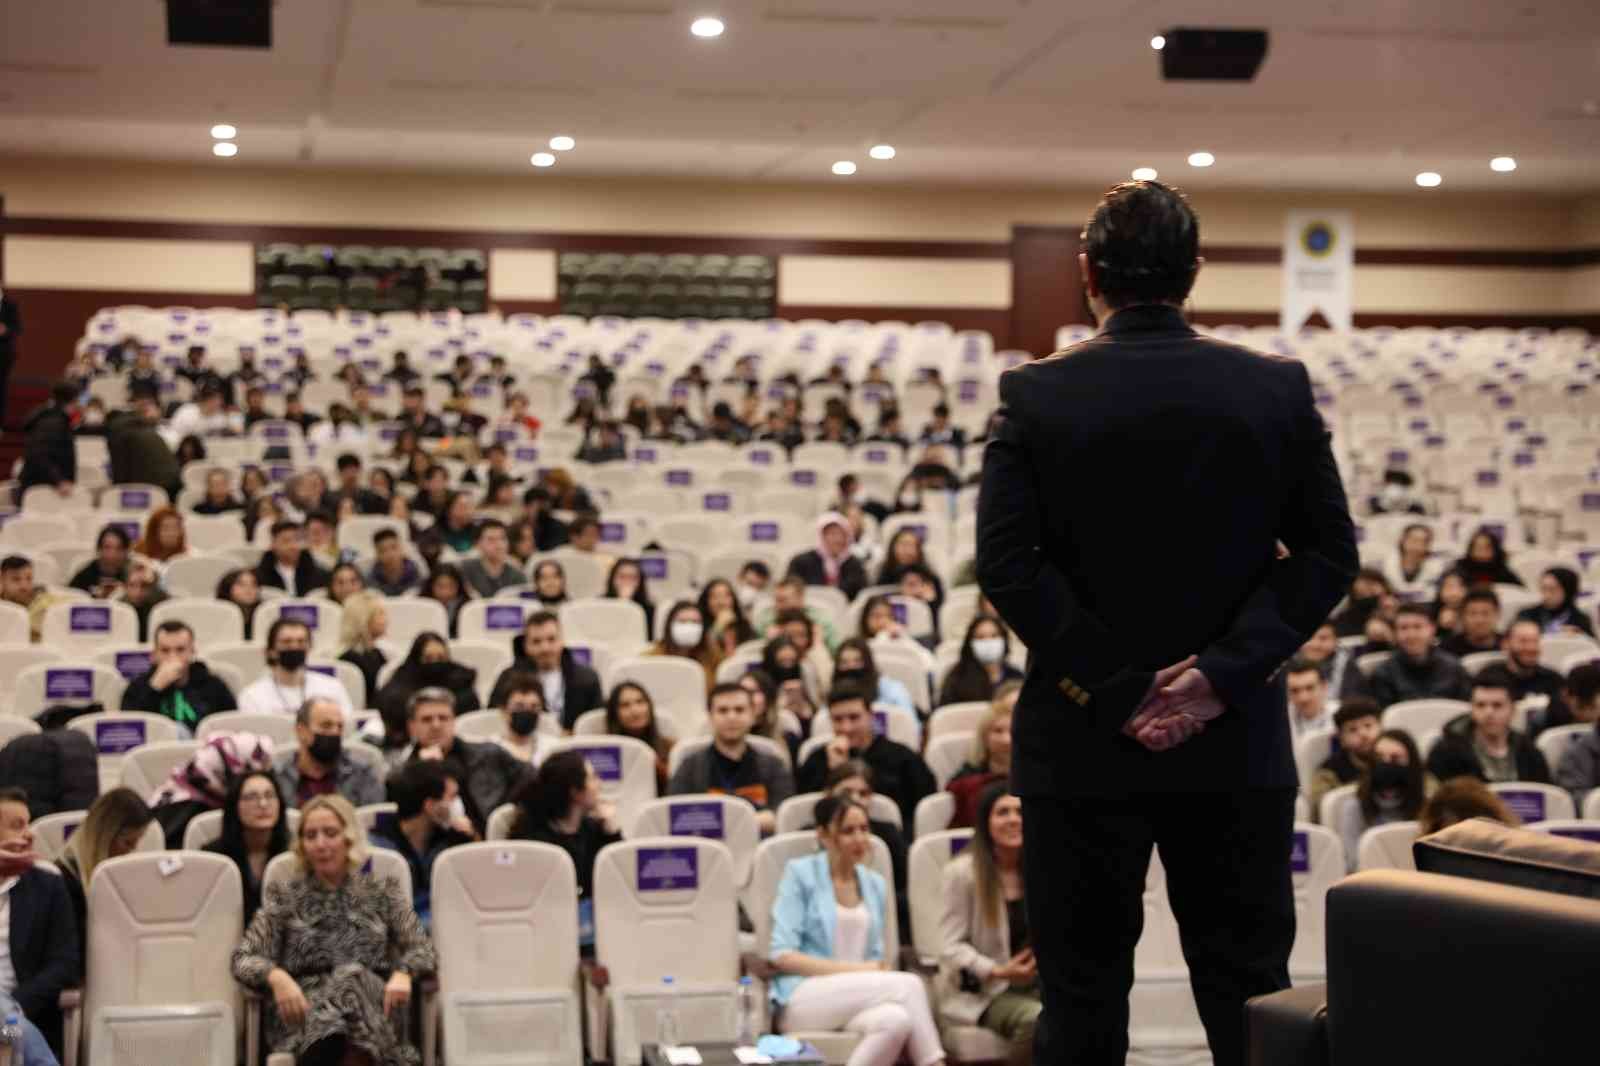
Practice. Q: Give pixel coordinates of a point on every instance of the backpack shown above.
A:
(60, 770)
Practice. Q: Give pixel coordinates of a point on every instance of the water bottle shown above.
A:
(11, 1039)
(747, 1013)
(667, 1016)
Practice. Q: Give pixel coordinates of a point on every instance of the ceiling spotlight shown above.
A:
(224, 132)
(1428, 179)
(844, 168)
(1158, 42)
(1144, 174)
(1201, 159)
(882, 151)
(563, 144)
(1502, 164)
(707, 27)
(543, 159)
(225, 149)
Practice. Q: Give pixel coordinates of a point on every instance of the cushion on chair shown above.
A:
(1488, 851)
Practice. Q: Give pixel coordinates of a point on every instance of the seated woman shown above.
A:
(426, 665)
(685, 637)
(982, 667)
(1392, 788)
(878, 624)
(255, 827)
(164, 536)
(322, 944)
(345, 581)
(550, 583)
(456, 524)
(240, 588)
(906, 553)
(987, 970)
(627, 582)
(219, 497)
(1460, 799)
(828, 924)
(630, 712)
(1485, 561)
(729, 627)
(763, 704)
(781, 661)
(990, 760)
(561, 805)
(108, 570)
(112, 828)
(855, 656)
(853, 779)
(364, 623)
(1557, 613)
(446, 585)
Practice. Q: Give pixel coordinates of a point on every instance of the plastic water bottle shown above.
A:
(11, 1040)
(747, 1013)
(667, 1016)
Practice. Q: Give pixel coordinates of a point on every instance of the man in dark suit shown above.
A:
(1149, 466)
(42, 936)
(287, 565)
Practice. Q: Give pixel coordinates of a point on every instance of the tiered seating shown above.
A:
(324, 277)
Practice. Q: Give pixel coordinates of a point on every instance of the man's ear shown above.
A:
(1091, 284)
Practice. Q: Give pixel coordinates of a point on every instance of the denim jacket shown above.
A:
(804, 914)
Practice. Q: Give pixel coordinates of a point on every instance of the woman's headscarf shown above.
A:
(205, 778)
(831, 564)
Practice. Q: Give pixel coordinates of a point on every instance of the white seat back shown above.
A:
(506, 932)
(1421, 716)
(198, 575)
(12, 727)
(1575, 828)
(494, 621)
(1387, 847)
(1311, 751)
(213, 621)
(933, 814)
(278, 727)
(14, 626)
(117, 735)
(677, 687)
(727, 819)
(206, 826)
(77, 626)
(411, 616)
(323, 616)
(51, 833)
(177, 918)
(1316, 862)
(619, 623)
(1532, 801)
(1554, 742)
(775, 853)
(947, 755)
(47, 684)
(954, 718)
(925, 885)
(626, 768)
(500, 821)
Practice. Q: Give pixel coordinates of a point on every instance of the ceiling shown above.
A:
(1354, 94)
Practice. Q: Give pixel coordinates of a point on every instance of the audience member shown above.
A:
(982, 666)
(905, 551)
(320, 944)
(1557, 613)
(879, 624)
(1392, 788)
(319, 765)
(988, 976)
(366, 501)
(205, 416)
(852, 779)
(393, 573)
(1482, 744)
(143, 592)
(218, 497)
(990, 758)
(164, 536)
(793, 680)
(583, 536)
(425, 822)
(414, 416)
(831, 562)
(49, 453)
(626, 581)
(685, 637)
(801, 631)
(365, 622)
(855, 658)
(1308, 698)
(570, 687)
(492, 569)
(255, 829)
(550, 583)
(488, 774)
(240, 588)
(561, 805)
(1449, 600)
(828, 935)
(287, 684)
(1358, 723)
(521, 708)
(322, 544)
(104, 575)
(287, 565)
(140, 455)
(1416, 669)
(1579, 767)
(42, 935)
(719, 602)
(1460, 799)
(549, 532)
(730, 765)
(111, 828)
(201, 784)
(630, 712)
(897, 771)
(1479, 621)
(344, 581)
(177, 684)
(789, 595)
(426, 665)
(446, 587)
(16, 586)
(1485, 561)
(1370, 595)
(1530, 680)
(456, 524)
(1330, 658)
(763, 692)
(1409, 569)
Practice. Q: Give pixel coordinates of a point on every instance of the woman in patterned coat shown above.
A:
(336, 949)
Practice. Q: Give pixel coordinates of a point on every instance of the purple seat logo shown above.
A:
(134, 499)
(89, 619)
(1526, 804)
(668, 869)
(716, 501)
(508, 616)
(526, 455)
(118, 738)
(606, 760)
(804, 478)
(1300, 857)
(69, 683)
(680, 477)
(653, 567)
(695, 819)
(613, 532)
(764, 532)
(130, 664)
(304, 613)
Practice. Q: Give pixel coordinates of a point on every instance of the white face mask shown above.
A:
(989, 650)
(687, 634)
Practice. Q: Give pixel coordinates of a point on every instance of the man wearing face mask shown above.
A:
(487, 772)
(524, 703)
(177, 685)
(427, 820)
(287, 683)
(319, 764)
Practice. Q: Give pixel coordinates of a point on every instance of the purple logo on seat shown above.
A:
(716, 501)
(644, 455)
(695, 819)
(503, 616)
(680, 478)
(304, 613)
(1488, 478)
(668, 869)
(880, 723)
(1433, 440)
(606, 760)
(134, 499)
(130, 528)
(653, 567)
(967, 391)
(89, 620)
(118, 738)
(1300, 856)
(581, 655)
(130, 664)
(325, 669)
(767, 532)
(876, 455)
(613, 532)
(804, 478)
(1526, 804)
(504, 436)
(1523, 458)
(901, 613)
(959, 844)
(1399, 455)
(1516, 425)
(761, 457)
(273, 431)
(69, 683)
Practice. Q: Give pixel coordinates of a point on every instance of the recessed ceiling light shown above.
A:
(844, 168)
(1144, 174)
(707, 27)
(225, 149)
(224, 132)
(1158, 42)
(563, 144)
(1428, 179)
(1201, 159)
(882, 151)
(543, 159)
(1504, 164)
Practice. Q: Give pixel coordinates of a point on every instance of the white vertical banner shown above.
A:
(1318, 261)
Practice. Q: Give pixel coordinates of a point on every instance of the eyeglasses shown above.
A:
(258, 797)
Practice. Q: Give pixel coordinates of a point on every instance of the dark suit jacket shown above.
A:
(1134, 491)
(44, 948)
(807, 566)
(307, 574)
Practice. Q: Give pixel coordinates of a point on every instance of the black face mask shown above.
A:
(292, 658)
(325, 748)
(524, 722)
(1387, 776)
(780, 674)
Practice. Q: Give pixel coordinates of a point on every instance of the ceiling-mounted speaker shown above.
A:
(224, 23)
(1212, 55)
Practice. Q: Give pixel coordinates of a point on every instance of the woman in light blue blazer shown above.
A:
(828, 940)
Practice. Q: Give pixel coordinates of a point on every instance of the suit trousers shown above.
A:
(1226, 857)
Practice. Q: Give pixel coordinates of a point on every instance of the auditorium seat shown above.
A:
(206, 827)
(727, 819)
(324, 617)
(67, 683)
(1387, 847)
(626, 768)
(933, 814)
(52, 831)
(798, 813)
(1418, 717)
(1533, 801)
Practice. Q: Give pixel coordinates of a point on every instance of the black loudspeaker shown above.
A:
(226, 23)
(1212, 55)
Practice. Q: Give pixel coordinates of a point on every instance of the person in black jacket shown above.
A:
(830, 562)
(287, 565)
(570, 687)
(44, 942)
(59, 769)
(897, 771)
(49, 455)
(10, 330)
(1150, 465)
(1482, 744)
(108, 570)
(426, 665)
(177, 684)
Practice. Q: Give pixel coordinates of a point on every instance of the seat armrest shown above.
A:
(1288, 1028)
(428, 989)
(71, 1004)
(252, 1023)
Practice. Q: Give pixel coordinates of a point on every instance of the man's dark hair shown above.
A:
(171, 625)
(1495, 676)
(537, 494)
(1416, 610)
(13, 794)
(284, 525)
(522, 681)
(724, 688)
(847, 691)
(383, 535)
(346, 461)
(1584, 683)
(427, 475)
(414, 784)
(1301, 666)
(430, 694)
(412, 390)
(541, 618)
(1481, 596)
(791, 581)
(1354, 709)
(792, 614)
(63, 393)
(1143, 244)
(14, 562)
(487, 524)
(1524, 622)
(321, 516)
(280, 625)
(582, 525)
(117, 532)
(759, 568)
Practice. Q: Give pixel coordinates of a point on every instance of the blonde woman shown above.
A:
(990, 760)
(321, 942)
(112, 828)
(365, 623)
